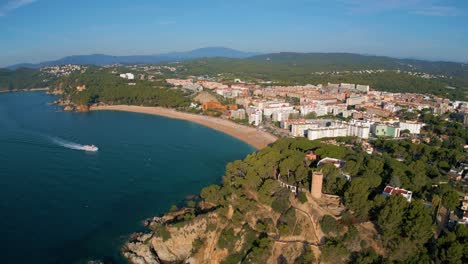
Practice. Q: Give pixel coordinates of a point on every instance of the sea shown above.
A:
(61, 204)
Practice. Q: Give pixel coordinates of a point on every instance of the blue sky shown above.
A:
(38, 30)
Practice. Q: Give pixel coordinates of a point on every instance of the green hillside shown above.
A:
(22, 78)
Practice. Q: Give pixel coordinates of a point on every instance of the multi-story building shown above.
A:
(269, 110)
(238, 114)
(363, 88)
(385, 130)
(318, 109)
(255, 118)
(347, 85)
(355, 100)
(359, 129)
(339, 129)
(327, 132)
(283, 115)
(413, 127)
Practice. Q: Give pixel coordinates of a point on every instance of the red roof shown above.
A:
(391, 190)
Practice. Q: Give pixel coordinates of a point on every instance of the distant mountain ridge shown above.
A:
(102, 59)
(352, 61)
(296, 62)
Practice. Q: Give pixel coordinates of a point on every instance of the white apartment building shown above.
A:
(354, 128)
(324, 132)
(283, 115)
(319, 109)
(255, 118)
(299, 130)
(359, 129)
(268, 111)
(413, 127)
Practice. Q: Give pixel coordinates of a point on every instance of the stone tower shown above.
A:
(317, 180)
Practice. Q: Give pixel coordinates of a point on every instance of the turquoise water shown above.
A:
(61, 205)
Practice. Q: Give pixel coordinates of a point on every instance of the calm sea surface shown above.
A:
(63, 205)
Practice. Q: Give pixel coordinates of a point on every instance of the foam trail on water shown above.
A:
(67, 144)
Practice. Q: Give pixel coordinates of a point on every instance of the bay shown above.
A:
(62, 205)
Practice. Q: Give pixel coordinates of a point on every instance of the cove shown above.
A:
(63, 205)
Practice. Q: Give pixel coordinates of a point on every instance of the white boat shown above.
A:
(90, 148)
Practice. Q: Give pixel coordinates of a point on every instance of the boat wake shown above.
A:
(72, 145)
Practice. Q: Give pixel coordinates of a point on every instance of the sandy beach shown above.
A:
(252, 136)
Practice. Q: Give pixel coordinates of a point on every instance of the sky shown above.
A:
(40, 30)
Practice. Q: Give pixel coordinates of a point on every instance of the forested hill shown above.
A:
(22, 78)
(350, 61)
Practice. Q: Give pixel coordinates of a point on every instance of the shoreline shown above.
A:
(254, 137)
(25, 90)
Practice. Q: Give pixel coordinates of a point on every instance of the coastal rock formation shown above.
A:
(82, 108)
(139, 251)
(68, 108)
(149, 248)
(179, 246)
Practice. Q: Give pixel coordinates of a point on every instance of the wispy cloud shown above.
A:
(442, 11)
(11, 5)
(416, 7)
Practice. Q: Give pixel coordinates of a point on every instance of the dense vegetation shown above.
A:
(292, 69)
(406, 230)
(22, 78)
(105, 87)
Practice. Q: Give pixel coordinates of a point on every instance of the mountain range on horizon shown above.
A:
(103, 59)
(208, 52)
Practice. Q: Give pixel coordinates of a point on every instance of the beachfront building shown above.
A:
(283, 115)
(238, 114)
(275, 108)
(256, 117)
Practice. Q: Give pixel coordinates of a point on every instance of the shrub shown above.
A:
(197, 244)
(334, 252)
(302, 197)
(162, 232)
(281, 202)
(306, 257)
(227, 239)
(328, 224)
